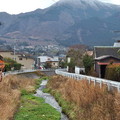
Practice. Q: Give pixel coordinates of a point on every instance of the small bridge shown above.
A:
(48, 72)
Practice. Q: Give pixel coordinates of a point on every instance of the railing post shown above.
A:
(119, 88)
(94, 82)
(76, 77)
(100, 84)
(108, 86)
(89, 80)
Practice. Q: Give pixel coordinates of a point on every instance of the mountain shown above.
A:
(67, 22)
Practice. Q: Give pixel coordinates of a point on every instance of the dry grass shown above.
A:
(10, 94)
(91, 102)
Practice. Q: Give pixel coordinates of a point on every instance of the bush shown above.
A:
(113, 72)
(17, 66)
(10, 63)
(7, 67)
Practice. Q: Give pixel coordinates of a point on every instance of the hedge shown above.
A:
(113, 72)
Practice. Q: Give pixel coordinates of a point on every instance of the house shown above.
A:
(105, 55)
(102, 62)
(54, 62)
(26, 60)
(42, 60)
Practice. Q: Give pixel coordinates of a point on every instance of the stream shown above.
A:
(49, 99)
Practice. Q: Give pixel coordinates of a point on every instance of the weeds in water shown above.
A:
(38, 81)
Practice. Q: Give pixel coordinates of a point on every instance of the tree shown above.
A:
(71, 66)
(63, 64)
(88, 63)
(10, 63)
(76, 55)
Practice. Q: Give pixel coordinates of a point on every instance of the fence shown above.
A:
(110, 84)
(27, 71)
(18, 72)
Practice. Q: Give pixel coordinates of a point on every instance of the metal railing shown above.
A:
(26, 71)
(18, 72)
(110, 84)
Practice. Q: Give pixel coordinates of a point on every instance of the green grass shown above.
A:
(35, 108)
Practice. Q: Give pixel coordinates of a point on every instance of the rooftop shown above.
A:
(106, 50)
(106, 56)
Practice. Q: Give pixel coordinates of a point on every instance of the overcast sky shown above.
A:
(19, 6)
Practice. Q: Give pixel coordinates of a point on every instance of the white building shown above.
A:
(42, 60)
(117, 44)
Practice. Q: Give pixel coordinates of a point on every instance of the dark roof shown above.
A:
(106, 56)
(106, 50)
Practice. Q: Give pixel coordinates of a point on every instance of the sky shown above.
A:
(22, 6)
(112, 1)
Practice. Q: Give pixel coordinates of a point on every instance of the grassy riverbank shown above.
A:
(35, 108)
(16, 97)
(10, 94)
(83, 101)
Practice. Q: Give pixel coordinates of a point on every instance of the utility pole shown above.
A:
(14, 49)
(14, 53)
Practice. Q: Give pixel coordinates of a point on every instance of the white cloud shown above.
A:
(18, 6)
(112, 1)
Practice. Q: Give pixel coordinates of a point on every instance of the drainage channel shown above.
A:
(49, 99)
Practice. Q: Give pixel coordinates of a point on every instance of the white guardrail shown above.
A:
(110, 84)
(26, 71)
(18, 72)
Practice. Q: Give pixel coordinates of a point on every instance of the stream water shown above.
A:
(49, 99)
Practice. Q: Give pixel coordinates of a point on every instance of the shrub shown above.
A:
(7, 67)
(113, 72)
(10, 63)
(17, 66)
